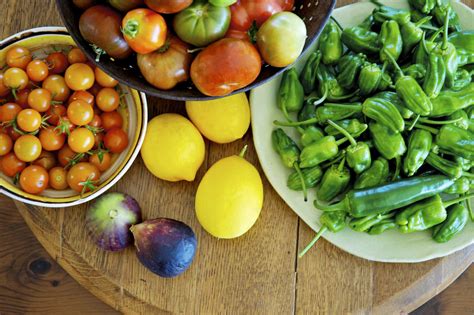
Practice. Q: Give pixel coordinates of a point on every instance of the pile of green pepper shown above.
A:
(385, 113)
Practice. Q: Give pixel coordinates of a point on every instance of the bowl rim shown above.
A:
(142, 113)
(153, 91)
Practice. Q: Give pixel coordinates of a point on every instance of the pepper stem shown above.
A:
(423, 44)
(423, 21)
(315, 239)
(295, 123)
(433, 37)
(243, 151)
(303, 184)
(340, 206)
(343, 97)
(430, 129)
(444, 45)
(353, 106)
(337, 23)
(394, 62)
(398, 163)
(322, 99)
(412, 125)
(457, 200)
(439, 122)
(340, 167)
(343, 131)
(337, 159)
(471, 212)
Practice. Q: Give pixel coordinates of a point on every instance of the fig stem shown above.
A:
(113, 213)
(244, 150)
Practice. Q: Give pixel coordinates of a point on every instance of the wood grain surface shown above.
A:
(257, 273)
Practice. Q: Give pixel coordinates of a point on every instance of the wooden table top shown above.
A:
(326, 280)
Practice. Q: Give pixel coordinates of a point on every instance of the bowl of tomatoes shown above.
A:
(194, 49)
(68, 131)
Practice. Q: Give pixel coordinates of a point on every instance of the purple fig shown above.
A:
(165, 246)
(109, 220)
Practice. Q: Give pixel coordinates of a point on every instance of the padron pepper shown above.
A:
(390, 40)
(349, 67)
(449, 101)
(335, 180)
(461, 120)
(387, 197)
(308, 74)
(466, 164)
(462, 79)
(385, 13)
(353, 126)
(308, 110)
(330, 43)
(456, 141)
(376, 175)
(443, 9)
(385, 82)
(424, 6)
(435, 72)
(382, 226)
(425, 213)
(470, 116)
(291, 93)
(412, 34)
(357, 153)
(332, 221)
(310, 135)
(369, 78)
(288, 152)
(463, 41)
(450, 57)
(311, 177)
(393, 98)
(419, 146)
(461, 186)
(416, 70)
(457, 218)
(447, 167)
(384, 112)
(365, 223)
(320, 151)
(360, 39)
(328, 86)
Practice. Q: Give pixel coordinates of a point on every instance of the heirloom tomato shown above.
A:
(125, 5)
(167, 6)
(144, 30)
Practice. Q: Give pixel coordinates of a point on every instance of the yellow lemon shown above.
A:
(229, 198)
(222, 120)
(173, 148)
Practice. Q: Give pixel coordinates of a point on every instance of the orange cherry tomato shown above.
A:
(98, 139)
(37, 70)
(101, 160)
(96, 121)
(51, 139)
(111, 120)
(57, 86)
(57, 178)
(103, 79)
(225, 66)
(28, 120)
(17, 56)
(57, 62)
(8, 111)
(79, 76)
(80, 113)
(6, 144)
(108, 99)
(83, 177)
(116, 140)
(47, 160)
(83, 96)
(144, 30)
(12, 133)
(15, 79)
(76, 55)
(34, 179)
(81, 140)
(22, 97)
(27, 148)
(54, 113)
(66, 155)
(11, 165)
(4, 91)
(40, 99)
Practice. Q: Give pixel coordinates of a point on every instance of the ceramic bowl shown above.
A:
(314, 13)
(42, 41)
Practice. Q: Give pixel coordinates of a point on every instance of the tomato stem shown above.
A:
(244, 150)
(131, 28)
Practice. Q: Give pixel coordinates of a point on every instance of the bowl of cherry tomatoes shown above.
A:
(68, 131)
(194, 49)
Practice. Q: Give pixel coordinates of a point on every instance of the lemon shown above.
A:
(173, 148)
(222, 120)
(229, 198)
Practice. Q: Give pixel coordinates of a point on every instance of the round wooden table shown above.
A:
(256, 273)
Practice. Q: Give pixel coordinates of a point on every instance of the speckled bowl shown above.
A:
(41, 41)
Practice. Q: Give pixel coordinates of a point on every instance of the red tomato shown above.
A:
(46, 160)
(111, 120)
(167, 6)
(12, 133)
(51, 139)
(57, 178)
(54, 113)
(225, 66)
(76, 55)
(79, 76)
(104, 79)
(57, 86)
(6, 144)
(37, 70)
(57, 62)
(11, 165)
(22, 98)
(40, 100)
(98, 139)
(83, 177)
(4, 91)
(96, 121)
(34, 179)
(144, 30)
(116, 140)
(8, 111)
(17, 56)
(108, 99)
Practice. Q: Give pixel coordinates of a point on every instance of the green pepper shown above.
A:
(308, 110)
(322, 150)
(308, 74)
(310, 135)
(455, 222)
(443, 9)
(470, 116)
(357, 153)
(335, 181)
(435, 72)
(330, 43)
(311, 177)
(385, 13)
(419, 146)
(424, 6)
(360, 39)
(369, 78)
(412, 34)
(353, 126)
(463, 41)
(383, 226)
(291, 94)
(328, 85)
(461, 186)
(416, 70)
(349, 68)
(448, 51)
(466, 164)
(365, 223)
(376, 175)
(332, 221)
(367, 23)
(462, 120)
(411, 92)
(456, 140)
(288, 152)
(393, 98)
(425, 214)
(387, 197)
(447, 167)
(462, 79)
(450, 101)
(383, 112)
(390, 40)
(385, 82)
